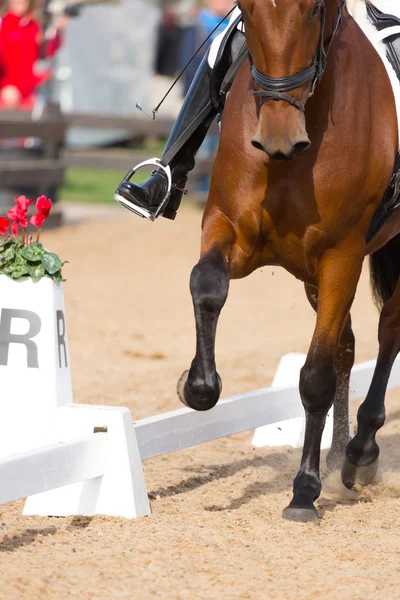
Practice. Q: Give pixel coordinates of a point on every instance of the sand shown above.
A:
(216, 529)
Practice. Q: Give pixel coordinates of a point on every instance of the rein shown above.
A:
(273, 88)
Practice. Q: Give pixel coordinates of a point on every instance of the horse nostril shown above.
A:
(257, 144)
(301, 146)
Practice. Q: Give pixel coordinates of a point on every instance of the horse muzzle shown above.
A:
(281, 141)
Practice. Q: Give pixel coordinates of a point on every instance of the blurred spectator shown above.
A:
(177, 19)
(168, 42)
(22, 44)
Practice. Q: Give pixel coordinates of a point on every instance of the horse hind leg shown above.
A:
(362, 453)
(341, 420)
(343, 365)
(200, 386)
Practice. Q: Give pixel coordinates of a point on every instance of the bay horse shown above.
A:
(296, 182)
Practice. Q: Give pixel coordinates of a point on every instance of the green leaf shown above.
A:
(20, 260)
(37, 272)
(51, 262)
(31, 253)
(8, 242)
(8, 254)
(20, 271)
(8, 269)
(57, 277)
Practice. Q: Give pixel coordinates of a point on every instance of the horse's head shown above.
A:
(287, 49)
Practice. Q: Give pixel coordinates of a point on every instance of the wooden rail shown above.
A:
(121, 160)
(40, 171)
(134, 126)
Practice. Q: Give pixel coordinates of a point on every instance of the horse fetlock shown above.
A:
(362, 451)
(198, 393)
(369, 419)
(306, 488)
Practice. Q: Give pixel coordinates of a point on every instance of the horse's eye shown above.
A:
(316, 9)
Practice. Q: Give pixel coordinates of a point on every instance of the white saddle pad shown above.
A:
(358, 10)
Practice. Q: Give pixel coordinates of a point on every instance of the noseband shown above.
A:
(273, 88)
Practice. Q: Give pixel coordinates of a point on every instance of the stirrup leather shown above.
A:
(141, 211)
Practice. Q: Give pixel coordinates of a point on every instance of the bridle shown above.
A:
(273, 88)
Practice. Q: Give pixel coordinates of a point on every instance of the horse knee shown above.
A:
(209, 284)
(317, 388)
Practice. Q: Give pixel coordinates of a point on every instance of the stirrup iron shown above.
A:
(141, 211)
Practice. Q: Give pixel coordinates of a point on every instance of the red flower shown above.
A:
(23, 203)
(43, 206)
(18, 213)
(18, 216)
(4, 225)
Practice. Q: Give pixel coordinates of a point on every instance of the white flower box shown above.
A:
(34, 362)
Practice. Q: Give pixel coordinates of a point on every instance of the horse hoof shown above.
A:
(353, 475)
(199, 405)
(300, 514)
(180, 386)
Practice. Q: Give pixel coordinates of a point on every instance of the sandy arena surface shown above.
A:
(216, 529)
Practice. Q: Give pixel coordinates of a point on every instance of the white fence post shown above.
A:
(121, 490)
(290, 432)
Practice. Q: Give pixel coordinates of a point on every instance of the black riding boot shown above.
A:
(162, 192)
(147, 198)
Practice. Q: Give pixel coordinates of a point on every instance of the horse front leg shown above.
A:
(338, 274)
(200, 387)
(343, 365)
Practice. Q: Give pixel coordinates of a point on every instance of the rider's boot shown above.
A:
(162, 192)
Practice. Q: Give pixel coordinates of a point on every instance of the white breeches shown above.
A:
(212, 55)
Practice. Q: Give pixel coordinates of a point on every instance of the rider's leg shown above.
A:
(196, 115)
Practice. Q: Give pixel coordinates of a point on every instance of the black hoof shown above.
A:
(353, 475)
(301, 514)
(200, 404)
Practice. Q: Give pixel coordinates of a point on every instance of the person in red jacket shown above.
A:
(20, 47)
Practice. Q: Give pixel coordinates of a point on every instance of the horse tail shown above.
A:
(385, 271)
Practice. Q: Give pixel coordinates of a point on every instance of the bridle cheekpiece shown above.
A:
(274, 88)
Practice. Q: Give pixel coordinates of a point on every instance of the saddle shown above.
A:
(391, 199)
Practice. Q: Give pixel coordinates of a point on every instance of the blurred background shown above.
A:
(70, 77)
